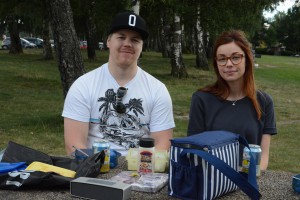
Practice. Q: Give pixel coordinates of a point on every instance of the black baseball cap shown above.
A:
(129, 20)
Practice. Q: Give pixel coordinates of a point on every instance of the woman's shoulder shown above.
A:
(263, 97)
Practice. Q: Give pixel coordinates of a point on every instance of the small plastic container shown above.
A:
(161, 160)
(296, 183)
(146, 154)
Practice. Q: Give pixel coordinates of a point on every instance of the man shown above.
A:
(119, 101)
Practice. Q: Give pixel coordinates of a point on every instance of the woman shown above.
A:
(233, 103)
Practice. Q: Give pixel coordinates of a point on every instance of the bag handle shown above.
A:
(248, 186)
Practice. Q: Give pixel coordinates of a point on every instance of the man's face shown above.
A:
(125, 47)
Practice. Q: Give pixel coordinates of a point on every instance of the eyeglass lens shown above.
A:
(235, 59)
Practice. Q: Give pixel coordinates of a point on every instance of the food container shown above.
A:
(296, 183)
(161, 160)
(146, 156)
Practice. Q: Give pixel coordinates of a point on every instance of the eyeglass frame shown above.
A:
(120, 107)
(230, 58)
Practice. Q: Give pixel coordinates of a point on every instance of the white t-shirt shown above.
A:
(92, 98)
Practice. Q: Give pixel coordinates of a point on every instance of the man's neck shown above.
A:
(122, 74)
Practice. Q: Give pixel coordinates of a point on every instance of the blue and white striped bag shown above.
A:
(205, 166)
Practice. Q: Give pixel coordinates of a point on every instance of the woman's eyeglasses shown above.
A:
(120, 107)
(234, 58)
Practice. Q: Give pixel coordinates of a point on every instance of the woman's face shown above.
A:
(231, 63)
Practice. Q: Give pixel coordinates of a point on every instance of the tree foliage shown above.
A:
(288, 29)
(92, 19)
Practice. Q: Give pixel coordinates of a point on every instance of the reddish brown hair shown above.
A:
(220, 88)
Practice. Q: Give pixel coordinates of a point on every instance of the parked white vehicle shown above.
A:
(25, 43)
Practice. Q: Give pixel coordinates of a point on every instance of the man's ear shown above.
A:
(108, 41)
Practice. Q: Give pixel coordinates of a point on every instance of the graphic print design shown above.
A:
(120, 122)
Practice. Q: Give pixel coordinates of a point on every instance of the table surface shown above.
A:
(272, 185)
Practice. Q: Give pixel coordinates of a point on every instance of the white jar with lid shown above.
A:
(146, 156)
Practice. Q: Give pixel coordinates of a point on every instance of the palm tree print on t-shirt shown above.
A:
(124, 128)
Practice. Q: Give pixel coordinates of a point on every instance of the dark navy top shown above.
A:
(209, 113)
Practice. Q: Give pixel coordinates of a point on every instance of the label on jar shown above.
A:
(146, 162)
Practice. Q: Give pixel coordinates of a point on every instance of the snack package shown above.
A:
(152, 182)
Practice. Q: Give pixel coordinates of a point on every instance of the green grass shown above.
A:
(31, 99)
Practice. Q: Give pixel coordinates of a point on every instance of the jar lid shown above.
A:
(146, 142)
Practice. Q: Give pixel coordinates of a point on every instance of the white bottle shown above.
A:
(146, 156)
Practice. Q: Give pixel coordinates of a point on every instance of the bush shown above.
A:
(287, 53)
(264, 51)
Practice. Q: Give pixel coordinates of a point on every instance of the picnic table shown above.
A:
(272, 185)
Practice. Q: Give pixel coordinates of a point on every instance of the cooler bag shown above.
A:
(206, 165)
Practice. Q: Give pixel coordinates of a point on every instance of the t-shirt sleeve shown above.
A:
(76, 104)
(270, 120)
(162, 111)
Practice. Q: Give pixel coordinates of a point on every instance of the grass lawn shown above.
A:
(31, 99)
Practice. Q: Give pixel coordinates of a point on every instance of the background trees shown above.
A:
(280, 35)
(175, 26)
(288, 29)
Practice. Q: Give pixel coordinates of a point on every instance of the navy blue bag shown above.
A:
(206, 165)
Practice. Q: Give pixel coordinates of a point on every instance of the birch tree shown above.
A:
(178, 69)
(136, 6)
(201, 58)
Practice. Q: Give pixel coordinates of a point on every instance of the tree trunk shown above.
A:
(201, 59)
(165, 34)
(68, 54)
(178, 68)
(47, 49)
(136, 9)
(91, 29)
(136, 6)
(15, 43)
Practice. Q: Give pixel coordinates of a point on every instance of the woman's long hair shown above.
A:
(220, 88)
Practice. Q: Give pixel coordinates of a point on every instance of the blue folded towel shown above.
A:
(9, 167)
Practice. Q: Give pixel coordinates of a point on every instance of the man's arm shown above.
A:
(162, 139)
(265, 148)
(75, 133)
